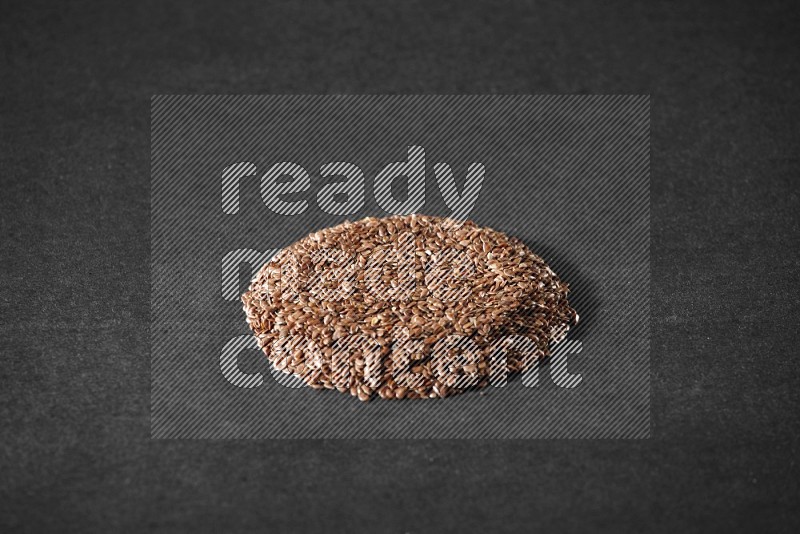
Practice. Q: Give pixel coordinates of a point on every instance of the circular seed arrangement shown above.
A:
(406, 307)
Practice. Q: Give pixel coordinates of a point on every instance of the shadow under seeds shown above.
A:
(584, 295)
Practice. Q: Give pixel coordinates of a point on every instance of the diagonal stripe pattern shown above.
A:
(236, 178)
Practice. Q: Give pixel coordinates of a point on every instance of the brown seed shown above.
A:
(510, 291)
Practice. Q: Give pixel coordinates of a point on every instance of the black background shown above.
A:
(76, 83)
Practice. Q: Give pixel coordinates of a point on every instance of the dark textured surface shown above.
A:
(74, 164)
